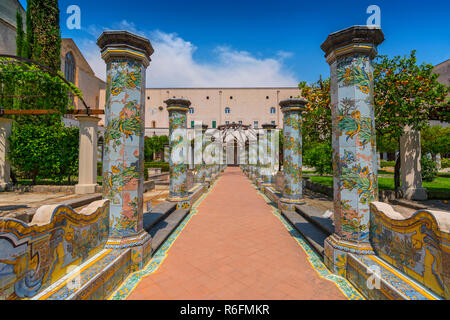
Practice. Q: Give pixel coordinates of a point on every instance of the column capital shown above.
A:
(6, 120)
(180, 104)
(355, 39)
(87, 118)
(293, 104)
(269, 126)
(123, 43)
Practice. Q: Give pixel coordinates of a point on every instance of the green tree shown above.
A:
(20, 37)
(44, 25)
(435, 139)
(154, 144)
(406, 94)
(44, 151)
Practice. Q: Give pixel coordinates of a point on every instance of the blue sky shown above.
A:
(253, 43)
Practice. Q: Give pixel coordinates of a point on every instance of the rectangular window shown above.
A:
(273, 122)
(192, 123)
(255, 124)
(227, 122)
(214, 124)
(240, 122)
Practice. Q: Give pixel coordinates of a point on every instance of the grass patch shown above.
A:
(387, 183)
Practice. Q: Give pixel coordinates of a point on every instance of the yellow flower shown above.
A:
(115, 169)
(116, 91)
(364, 89)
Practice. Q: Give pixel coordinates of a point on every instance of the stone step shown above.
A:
(312, 234)
(158, 213)
(162, 230)
(315, 216)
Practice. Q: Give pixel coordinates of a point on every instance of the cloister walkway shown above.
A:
(234, 247)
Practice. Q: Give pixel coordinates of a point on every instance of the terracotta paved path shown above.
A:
(235, 248)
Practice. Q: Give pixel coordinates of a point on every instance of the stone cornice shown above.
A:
(293, 104)
(356, 39)
(178, 103)
(124, 43)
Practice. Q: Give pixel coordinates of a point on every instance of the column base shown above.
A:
(415, 193)
(289, 204)
(85, 188)
(140, 245)
(336, 250)
(4, 186)
(182, 202)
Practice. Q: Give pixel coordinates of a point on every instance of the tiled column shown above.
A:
(224, 157)
(5, 131)
(208, 157)
(292, 153)
(87, 163)
(252, 152)
(267, 169)
(178, 144)
(349, 53)
(261, 156)
(200, 164)
(166, 153)
(127, 57)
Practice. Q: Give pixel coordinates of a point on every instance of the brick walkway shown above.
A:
(235, 248)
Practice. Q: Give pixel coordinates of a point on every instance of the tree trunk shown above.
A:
(34, 174)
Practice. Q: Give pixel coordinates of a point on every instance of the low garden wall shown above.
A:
(37, 254)
(418, 245)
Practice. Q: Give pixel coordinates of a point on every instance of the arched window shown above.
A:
(69, 67)
(272, 110)
(227, 110)
(191, 110)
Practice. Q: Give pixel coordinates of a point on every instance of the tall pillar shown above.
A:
(127, 57)
(349, 53)
(252, 153)
(199, 161)
(262, 145)
(438, 161)
(267, 169)
(224, 156)
(292, 152)
(5, 167)
(410, 172)
(178, 144)
(87, 163)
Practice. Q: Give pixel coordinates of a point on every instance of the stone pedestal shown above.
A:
(292, 153)
(349, 53)
(410, 172)
(87, 164)
(5, 168)
(178, 108)
(127, 57)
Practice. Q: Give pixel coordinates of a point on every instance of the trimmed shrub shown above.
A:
(429, 169)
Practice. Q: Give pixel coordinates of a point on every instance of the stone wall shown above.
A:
(8, 9)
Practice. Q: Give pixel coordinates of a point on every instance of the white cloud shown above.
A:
(173, 63)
